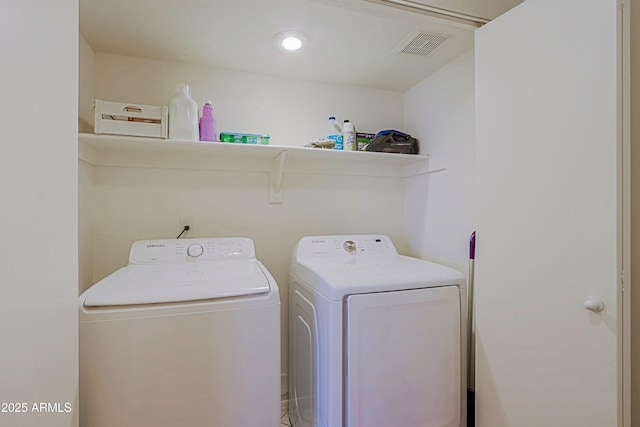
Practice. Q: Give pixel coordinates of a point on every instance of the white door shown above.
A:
(403, 358)
(549, 209)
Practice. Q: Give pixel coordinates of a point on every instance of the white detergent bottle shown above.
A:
(183, 115)
(334, 132)
(348, 136)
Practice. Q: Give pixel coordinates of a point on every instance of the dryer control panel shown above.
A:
(344, 245)
(190, 250)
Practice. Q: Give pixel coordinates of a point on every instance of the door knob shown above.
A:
(594, 304)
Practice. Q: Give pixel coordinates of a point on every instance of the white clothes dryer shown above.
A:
(187, 334)
(376, 338)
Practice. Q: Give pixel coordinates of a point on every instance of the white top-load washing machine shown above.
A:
(187, 334)
(376, 338)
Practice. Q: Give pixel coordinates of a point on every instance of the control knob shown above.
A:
(349, 246)
(194, 251)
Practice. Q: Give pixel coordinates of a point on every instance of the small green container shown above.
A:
(244, 138)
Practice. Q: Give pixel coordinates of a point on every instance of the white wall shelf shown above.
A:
(123, 151)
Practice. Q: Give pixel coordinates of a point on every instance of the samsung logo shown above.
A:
(155, 246)
(318, 241)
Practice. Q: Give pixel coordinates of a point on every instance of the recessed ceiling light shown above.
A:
(290, 41)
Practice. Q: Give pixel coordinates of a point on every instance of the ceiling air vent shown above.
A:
(421, 43)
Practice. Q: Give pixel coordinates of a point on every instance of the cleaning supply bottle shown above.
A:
(183, 115)
(348, 136)
(208, 123)
(334, 132)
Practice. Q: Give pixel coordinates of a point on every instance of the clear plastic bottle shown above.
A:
(183, 115)
(348, 136)
(334, 132)
(208, 123)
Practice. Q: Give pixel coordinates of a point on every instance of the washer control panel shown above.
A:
(189, 250)
(347, 245)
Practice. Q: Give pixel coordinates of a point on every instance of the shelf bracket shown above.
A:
(276, 178)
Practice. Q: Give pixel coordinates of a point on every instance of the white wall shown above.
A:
(85, 85)
(85, 171)
(38, 308)
(291, 111)
(148, 203)
(439, 111)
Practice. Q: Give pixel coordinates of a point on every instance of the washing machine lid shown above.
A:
(336, 278)
(156, 284)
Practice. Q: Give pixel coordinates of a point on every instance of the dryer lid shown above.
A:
(336, 278)
(341, 265)
(156, 284)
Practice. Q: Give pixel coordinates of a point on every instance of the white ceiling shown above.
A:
(351, 41)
